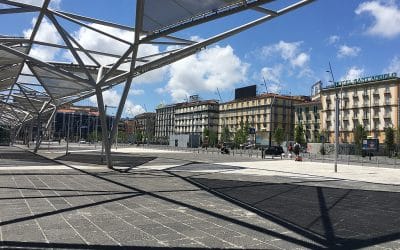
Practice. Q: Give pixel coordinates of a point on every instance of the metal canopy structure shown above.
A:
(31, 86)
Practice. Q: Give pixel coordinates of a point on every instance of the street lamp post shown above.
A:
(270, 120)
(69, 121)
(336, 117)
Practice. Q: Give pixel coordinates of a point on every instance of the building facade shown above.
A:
(195, 117)
(265, 113)
(308, 115)
(372, 102)
(164, 122)
(80, 122)
(145, 123)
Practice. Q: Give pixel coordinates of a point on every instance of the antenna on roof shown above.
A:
(219, 94)
(265, 84)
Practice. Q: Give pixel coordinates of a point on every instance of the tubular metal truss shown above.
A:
(31, 85)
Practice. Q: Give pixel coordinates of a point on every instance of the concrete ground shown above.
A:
(160, 199)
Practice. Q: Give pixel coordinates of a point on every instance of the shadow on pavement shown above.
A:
(119, 159)
(11, 156)
(342, 218)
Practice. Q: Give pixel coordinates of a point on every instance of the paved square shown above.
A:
(161, 200)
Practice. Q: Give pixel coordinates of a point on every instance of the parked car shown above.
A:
(274, 151)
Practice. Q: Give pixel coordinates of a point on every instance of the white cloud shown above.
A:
(346, 51)
(386, 16)
(353, 73)
(46, 33)
(289, 52)
(300, 60)
(160, 91)
(92, 40)
(132, 110)
(394, 66)
(112, 98)
(333, 39)
(272, 74)
(136, 92)
(204, 72)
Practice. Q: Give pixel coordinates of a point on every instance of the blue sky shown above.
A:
(291, 52)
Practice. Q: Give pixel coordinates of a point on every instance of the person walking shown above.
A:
(296, 151)
(290, 150)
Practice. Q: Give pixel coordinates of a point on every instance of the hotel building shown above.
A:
(372, 102)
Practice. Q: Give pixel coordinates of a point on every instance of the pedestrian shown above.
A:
(290, 150)
(296, 150)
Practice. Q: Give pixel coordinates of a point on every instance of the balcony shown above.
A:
(387, 91)
(355, 95)
(345, 118)
(387, 102)
(387, 116)
(376, 92)
(365, 117)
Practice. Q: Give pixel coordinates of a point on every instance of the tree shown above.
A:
(206, 133)
(246, 131)
(389, 140)
(122, 137)
(325, 136)
(139, 137)
(225, 134)
(212, 138)
(299, 134)
(92, 136)
(241, 134)
(279, 135)
(359, 135)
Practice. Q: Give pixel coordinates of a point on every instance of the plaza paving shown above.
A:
(160, 199)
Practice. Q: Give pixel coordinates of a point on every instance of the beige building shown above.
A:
(264, 112)
(308, 115)
(370, 101)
